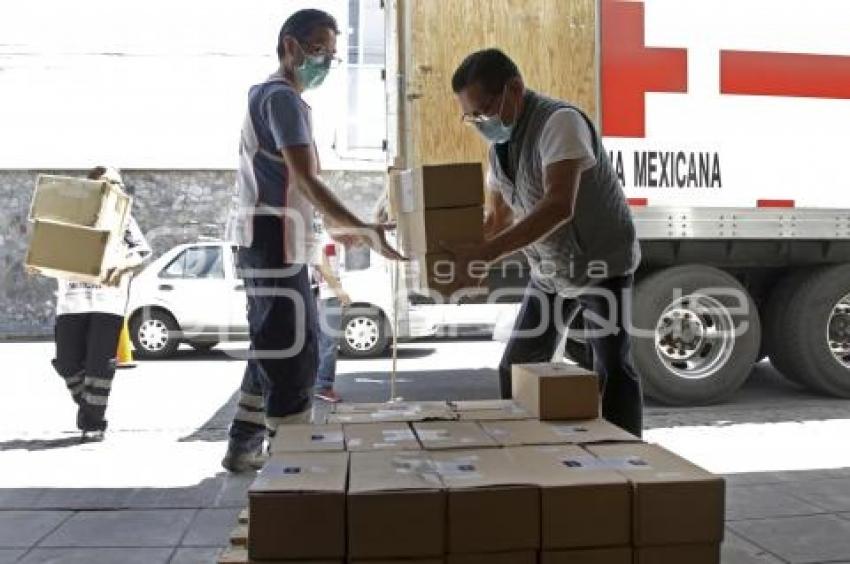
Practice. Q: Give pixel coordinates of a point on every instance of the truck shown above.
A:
(725, 123)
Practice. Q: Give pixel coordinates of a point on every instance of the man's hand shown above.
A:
(343, 297)
(373, 235)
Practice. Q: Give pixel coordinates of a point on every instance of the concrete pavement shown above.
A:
(152, 492)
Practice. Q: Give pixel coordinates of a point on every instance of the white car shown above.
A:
(191, 294)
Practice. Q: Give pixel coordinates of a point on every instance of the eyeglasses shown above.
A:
(328, 59)
(472, 118)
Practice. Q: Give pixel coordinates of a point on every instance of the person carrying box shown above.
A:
(88, 323)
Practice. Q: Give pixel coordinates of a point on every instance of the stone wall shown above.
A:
(172, 207)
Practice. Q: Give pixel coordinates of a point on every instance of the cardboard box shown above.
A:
(582, 504)
(71, 252)
(492, 505)
(618, 555)
(524, 557)
(396, 506)
(433, 231)
(556, 391)
(489, 410)
(391, 412)
(398, 561)
(674, 501)
(594, 431)
(307, 438)
(297, 506)
(437, 273)
(78, 201)
(677, 554)
(442, 435)
(441, 186)
(525, 432)
(367, 437)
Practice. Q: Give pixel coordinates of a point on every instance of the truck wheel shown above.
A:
(365, 332)
(699, 335)
(155, 334)
(816, 336)
(774, 323)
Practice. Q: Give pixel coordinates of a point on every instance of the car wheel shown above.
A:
(155, 334)
(816, 331)
(698, 341)
(203, 346)
(365, 332)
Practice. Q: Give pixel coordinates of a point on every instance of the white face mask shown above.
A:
(493, 129)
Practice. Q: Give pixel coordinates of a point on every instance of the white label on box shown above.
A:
(569, 430)
(610, 463)
(398, 435)
(461, 468)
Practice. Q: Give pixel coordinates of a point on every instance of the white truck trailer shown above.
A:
(727, 122)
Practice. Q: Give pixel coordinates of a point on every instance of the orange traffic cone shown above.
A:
(125, 348)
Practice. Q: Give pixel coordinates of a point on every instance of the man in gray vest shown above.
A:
(554, 194)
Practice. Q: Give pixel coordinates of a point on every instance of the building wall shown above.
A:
(172, 207)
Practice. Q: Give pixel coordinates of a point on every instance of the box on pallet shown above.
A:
(365, 437)
(674, 501)
(307, 438)
(489, 410)
(556, 391)
(523, 557)
(391, 412)
(618, 555)
(396, 506)
(442, 435)
(582, 503)
(492, 506)
(594, 431)
(297, 507)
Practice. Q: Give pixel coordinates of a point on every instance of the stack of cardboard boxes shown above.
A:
(452, 489)
(78, 226)
(436, 208)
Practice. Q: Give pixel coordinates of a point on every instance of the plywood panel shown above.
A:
(552, 42)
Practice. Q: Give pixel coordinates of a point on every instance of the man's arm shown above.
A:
(561, 182)
(301, 163)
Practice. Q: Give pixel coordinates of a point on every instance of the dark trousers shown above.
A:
(86, 346)
(279, 376)
(539, 328)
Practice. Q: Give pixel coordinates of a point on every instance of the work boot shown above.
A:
(89, 420)
(328, 394)
(238, 461)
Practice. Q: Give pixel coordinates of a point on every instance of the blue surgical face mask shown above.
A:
(312, 72)
(493, 129)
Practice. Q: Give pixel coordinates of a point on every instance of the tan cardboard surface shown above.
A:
(297, 506)
(384, 406)
(582, 504)
(307, 438)
(440, 435)
(678, 554)
(443, 186)
(490, 410)
(79, 201)
(380, 436)
(393, 413)
(674, 501)
(590, 432)
(435, 230)
(619, 555)
(492, 506)
(525, 432)
(524, 557)
(69, 251)
(556, 391)
(396, 506)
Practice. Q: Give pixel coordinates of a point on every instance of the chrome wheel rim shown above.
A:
(695, 336)
(153, 335)
(362, 333)
(838, 331)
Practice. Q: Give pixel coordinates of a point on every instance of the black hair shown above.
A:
(490, 68)
(302, 24)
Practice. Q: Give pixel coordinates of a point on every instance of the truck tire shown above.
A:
(365, 332)
(155, 333)
(687, 350)
(774, 323)
(816, 335)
